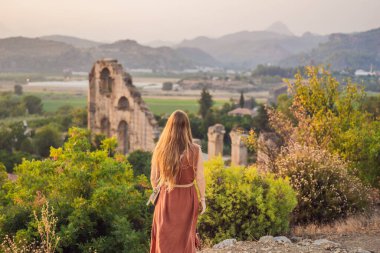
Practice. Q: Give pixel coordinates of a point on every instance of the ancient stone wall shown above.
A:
(115, 108)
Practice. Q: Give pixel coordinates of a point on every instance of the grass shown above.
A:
(28, 118)
(53, 101)
(53, 104)
(360, 223)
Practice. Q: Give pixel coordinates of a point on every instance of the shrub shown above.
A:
(140, 161)
(244, 204)
(46, 137)
(99, 203)
(167, 86)
(46, 226)
(325, 189)
(33, 104)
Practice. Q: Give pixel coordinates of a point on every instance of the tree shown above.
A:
(140, 161)
(18, 89)
(241, 101)
(371, 104)
(331, 116)
(205, 103)
(252, 103)
(46, 137)
(167, 86)
(33, 104)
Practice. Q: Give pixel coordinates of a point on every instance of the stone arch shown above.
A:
(106, 81)
(122, 137)
(105, 126)
(123, 104)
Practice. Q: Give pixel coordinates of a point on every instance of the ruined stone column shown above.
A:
(239, 152)
(215, 136)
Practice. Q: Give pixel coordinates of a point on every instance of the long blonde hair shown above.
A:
(175, 139)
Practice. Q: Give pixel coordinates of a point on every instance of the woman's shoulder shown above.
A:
(196, 147)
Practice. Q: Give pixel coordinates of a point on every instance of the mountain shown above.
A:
(357, 50)
(74, 41)
(160, 43)
(280, 28)
(20, 54)
(133, 55)
(246, 49)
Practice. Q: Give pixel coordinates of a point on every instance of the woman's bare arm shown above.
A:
(153, 176)
(201, 182)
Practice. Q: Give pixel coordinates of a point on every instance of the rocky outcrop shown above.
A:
(270, 244)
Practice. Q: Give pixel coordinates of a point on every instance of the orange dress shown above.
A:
(176, 212)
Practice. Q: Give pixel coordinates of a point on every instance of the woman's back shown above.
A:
(188, 166)
(176, 211)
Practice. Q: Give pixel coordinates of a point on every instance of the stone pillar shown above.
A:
(239, 152)
(215, 136)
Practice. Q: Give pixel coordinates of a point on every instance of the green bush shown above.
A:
(140, 161)
(325, 189)
(244, 204)
(99, 203)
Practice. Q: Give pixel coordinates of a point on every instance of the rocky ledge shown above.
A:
(270, 244)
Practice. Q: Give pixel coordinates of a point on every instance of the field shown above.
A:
(158, 105)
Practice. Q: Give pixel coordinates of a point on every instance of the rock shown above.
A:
(323, 242)
(305, 242)
(224, 244)
(296, 239)
(361, 251)
(282, 239)
(266, 239)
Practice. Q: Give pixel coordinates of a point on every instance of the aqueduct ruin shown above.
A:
(115, 108)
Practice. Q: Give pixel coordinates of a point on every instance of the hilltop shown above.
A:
(74, 41)
(246, 49)
(242, 50)
(357, 50)
(21, 54)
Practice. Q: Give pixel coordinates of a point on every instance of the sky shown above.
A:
(175, 20)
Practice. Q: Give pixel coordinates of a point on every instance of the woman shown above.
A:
(176, 163)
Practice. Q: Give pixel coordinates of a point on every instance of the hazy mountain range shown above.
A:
(276, 45)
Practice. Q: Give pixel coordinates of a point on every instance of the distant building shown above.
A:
(242, 112)
(361, 72)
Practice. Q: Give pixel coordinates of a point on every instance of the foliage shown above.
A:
(18, 89)
(241, 101)
(140, 161)
(167, 86)
(47, 231)
(10, 106)
(244, 204)
(99, 204)
(46, 137)
(205, 103)
(330, 116)
(263, 70)
(325, 189)
(33, 104)
(323, 141)
(371, 105)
